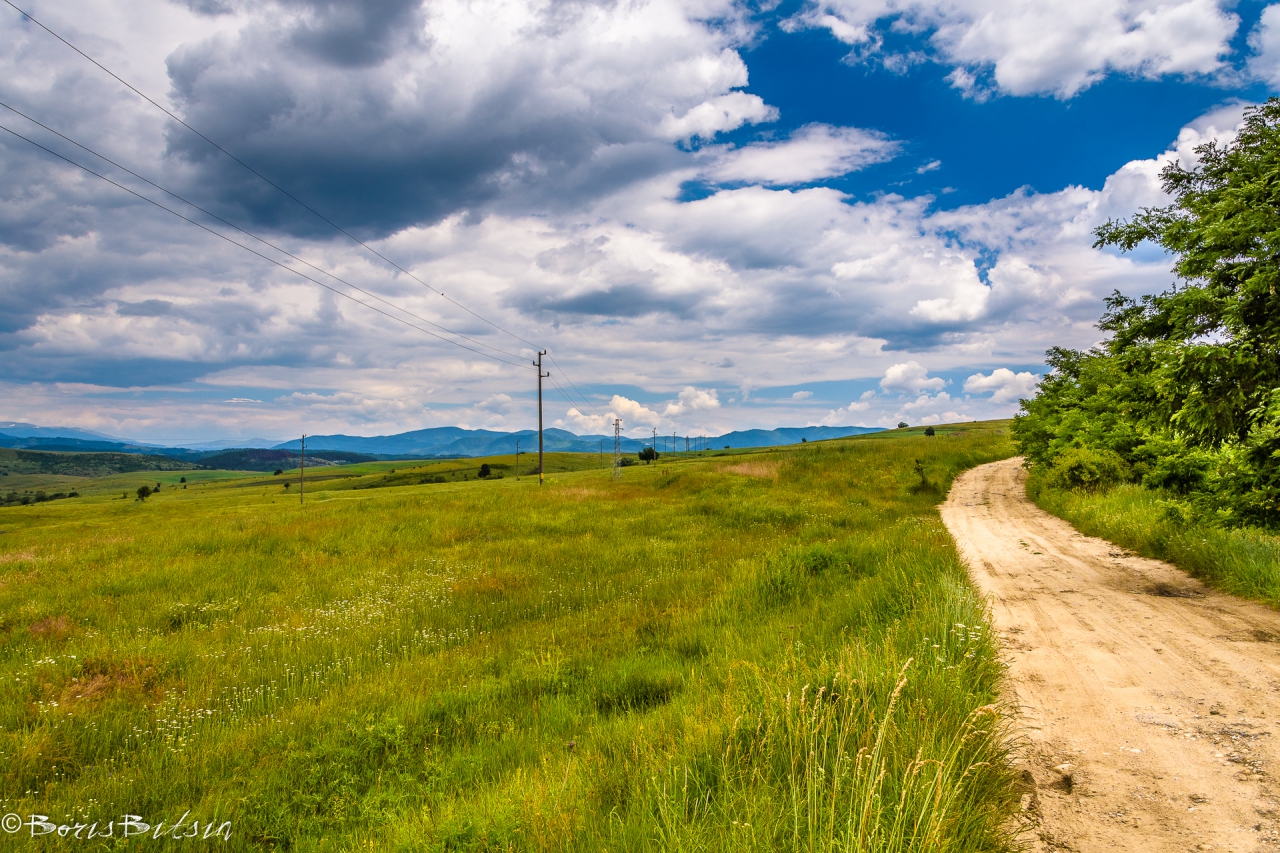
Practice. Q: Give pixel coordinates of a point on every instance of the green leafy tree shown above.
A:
(485, 470)
(1185, 393)
(647, 455)
(144, 492)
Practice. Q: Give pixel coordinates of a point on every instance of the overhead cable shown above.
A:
(255, 236)
(283, 266)
(575, 387)
(264, 178)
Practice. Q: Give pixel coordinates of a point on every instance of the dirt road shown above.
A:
(1150, 704)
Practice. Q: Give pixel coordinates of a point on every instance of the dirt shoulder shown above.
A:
(1150, 703)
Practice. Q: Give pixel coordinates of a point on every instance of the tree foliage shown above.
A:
(1185, 393)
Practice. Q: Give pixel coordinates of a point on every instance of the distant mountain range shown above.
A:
(437, 442)
(455, 442)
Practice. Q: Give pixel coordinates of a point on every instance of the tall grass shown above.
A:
(1243, 562)
(772, 651)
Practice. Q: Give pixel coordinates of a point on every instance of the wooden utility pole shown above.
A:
(517, 459)
(302, 468)
(541, 376)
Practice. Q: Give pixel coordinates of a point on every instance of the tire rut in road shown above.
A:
(1150, 704)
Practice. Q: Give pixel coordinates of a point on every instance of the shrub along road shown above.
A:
(1149, 700)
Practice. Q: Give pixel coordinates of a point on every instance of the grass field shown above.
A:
(759, 651)
(1241, 562)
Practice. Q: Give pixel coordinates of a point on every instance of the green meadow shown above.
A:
(772, 650)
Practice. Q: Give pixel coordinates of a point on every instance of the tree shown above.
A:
(182, 479)
(485, 471)
(647, 455)
(144, 492)
(277, 472)
(1185, 393)
(928, 430)
(903, 424)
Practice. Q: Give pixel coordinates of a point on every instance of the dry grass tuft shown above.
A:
(767, 470)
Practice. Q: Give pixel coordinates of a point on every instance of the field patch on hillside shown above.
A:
(682, 658)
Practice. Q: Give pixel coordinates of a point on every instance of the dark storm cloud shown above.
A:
(357, 110)
(147, 308)
(354, 33)
(623, 300)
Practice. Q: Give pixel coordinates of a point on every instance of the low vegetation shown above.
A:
(1240, 561)
(84, 464)
(757, 651)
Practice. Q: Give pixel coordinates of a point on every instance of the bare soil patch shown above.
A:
(1150, 703)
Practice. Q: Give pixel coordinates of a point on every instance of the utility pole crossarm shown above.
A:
(541, 376)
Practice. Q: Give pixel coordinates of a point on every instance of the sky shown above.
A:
(713, 215)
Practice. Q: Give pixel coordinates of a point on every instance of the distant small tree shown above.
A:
(287, 484)
(928, 430)
(182, 479)
(804, 441)
(278, 472)
(903, 424)
(485, 470)
(726, 447)
(647, 455)
(157, 488)
(144, 492)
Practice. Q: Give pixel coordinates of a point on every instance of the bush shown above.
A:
(144, 492)
(276, 473)
(1089, 470)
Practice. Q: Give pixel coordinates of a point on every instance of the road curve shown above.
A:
(1150, 704)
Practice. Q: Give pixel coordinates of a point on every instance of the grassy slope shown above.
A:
(704, 655)
(1241, 562)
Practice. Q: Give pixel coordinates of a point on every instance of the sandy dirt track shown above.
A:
(1150, 704)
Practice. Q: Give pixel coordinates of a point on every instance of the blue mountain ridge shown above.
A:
(455, 441)
(436, 442)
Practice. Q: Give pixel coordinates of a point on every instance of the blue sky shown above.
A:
(714, 215)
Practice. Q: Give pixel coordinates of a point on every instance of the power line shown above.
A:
(254, 236)
(259, 254)
(264, 178)
(563, 393)
(575, 387)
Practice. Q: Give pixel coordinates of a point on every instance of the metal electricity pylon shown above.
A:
(617, 448)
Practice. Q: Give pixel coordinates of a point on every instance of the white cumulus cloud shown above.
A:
(1057, 47)
(1264, 40)
(840, 417)
(692, 400)
(1005, 385)
(812, 153)
(910, 377)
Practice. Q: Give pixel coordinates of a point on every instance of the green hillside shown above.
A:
(757, 651)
